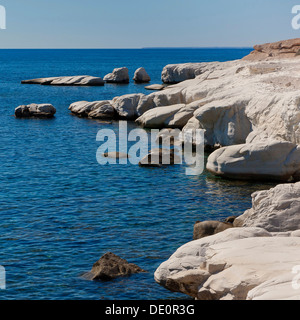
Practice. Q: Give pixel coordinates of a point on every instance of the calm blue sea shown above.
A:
(60, 210)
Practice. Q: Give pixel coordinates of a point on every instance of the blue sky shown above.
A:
(140, 23)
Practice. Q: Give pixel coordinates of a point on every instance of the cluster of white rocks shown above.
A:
(118, 75)
(250, 108)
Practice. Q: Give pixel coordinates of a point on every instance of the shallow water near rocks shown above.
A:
(60, 210)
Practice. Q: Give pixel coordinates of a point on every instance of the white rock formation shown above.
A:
(119, 75)
(254, 105)
(230, 264)
(67, 81)
(174, 73)
(126, 105)
(175, 116)
(45, 110)
(271, 160)
(95, 109)
(275, 210)
(141, 75)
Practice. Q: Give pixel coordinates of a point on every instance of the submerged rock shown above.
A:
(141, 76)
(160, 157)
(119, 75)
(111, 266)
(67, 81)
(35, 110)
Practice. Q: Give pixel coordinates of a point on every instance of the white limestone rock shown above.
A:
(174, 116)
(282, 287)
(141, 75)
(182, 272)
(271, 160)
(95, 109)
(174, 73)
(126, 105)
(67, 81)
(119, 75)
(230, 264)
(275, 210)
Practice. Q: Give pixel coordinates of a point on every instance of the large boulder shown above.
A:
(270, 160)
(275, 210)
(67, 81)
(35, 110)
(95, 109)
(141, 76)
(126, 105)
(111, 266)
(174, 116)
(119, 75)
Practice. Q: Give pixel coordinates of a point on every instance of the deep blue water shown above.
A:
(60, 210)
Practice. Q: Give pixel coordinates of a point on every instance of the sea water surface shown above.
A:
(60, 210)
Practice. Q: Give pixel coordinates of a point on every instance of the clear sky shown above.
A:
(145, 23)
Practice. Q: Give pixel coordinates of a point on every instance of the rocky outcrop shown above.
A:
(124, 107)
(119, 75)
(67, 81)
(111, 266)
(174, 73)
(95, 110)
(277, 50)
(231, 265)
(174, 116)
(35, 111)
(141, 76)
(270, 160)
(275, 210)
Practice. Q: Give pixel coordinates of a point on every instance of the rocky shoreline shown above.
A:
(250, 111)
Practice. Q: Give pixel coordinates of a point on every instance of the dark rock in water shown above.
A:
(159, 157)
(111, 266)
(116, 155)
(35, 110)
(208, 228)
